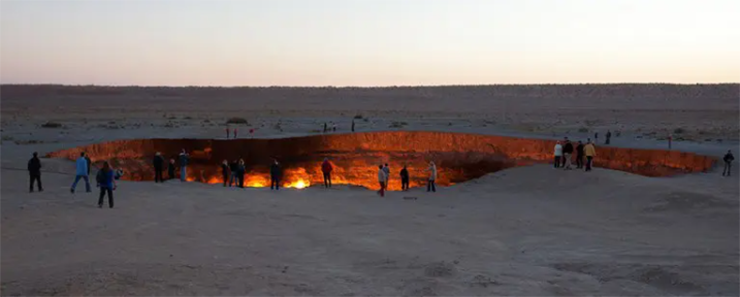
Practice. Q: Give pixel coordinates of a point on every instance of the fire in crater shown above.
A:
(355, 157)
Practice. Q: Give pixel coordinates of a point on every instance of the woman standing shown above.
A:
(107, 184)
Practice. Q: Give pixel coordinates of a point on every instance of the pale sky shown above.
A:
(368, 42)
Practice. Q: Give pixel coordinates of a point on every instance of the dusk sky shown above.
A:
(368, 42)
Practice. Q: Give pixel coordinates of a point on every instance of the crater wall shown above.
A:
(459, 157)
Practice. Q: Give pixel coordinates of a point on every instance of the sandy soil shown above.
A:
(523, 231)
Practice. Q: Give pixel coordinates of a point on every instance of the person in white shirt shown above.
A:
(432, 177)
(558, 154)
(382, 178)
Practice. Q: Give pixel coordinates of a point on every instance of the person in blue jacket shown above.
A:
(106, 178)
(81, 166)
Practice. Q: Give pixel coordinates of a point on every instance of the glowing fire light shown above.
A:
(300, 184)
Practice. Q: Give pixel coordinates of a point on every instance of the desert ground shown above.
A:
(527, 231)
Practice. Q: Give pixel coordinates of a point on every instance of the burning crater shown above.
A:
(459, 157)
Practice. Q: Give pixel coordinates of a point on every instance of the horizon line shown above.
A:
(365, 87)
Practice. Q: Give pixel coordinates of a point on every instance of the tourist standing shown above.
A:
(81, 173)
(590, 152)
(596, 136)
(184, 159)
(235, 132)
(228, 133)
(225, 171)
(567, 153)
(404, 178)
(353, 125)
(432, 177)
(275, 175)
(234, 167)
(34, 171)
(171, 169)
(579, 155)
(240, 172)
(558, 154)
(89, 163)
(387, 174)
(608, 136)
(728, 162)
(107, 184)
(158, 163)
(324, 127)
(326, 168)
(382, 180)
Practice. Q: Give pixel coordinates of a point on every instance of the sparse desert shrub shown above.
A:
(316, 131)
(583, 129)
(24, 142)
(172, 118)
(187, 118)
(365, 120)
(398, 124)
(7, 138)
(51, 125)
(679, 130)
(206, 121)
(239, 121)
(358, 117)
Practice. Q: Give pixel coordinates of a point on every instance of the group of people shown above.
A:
(564, 154)
(159, 162)
(233, 172)
(384, 173)
(105, 178)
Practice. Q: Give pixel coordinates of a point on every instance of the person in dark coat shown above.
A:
(404, 178)
(567, 154)
(579, 155)
(275, 175)
(184, 160)
(107, 184)
(234, 167)
(326, 169)
(89, 163)
(608, 137)
(728, 162)
(353, 125)
(240, 172)
(34, 171)
(225, 171)
(158, 163)
(171, 169)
